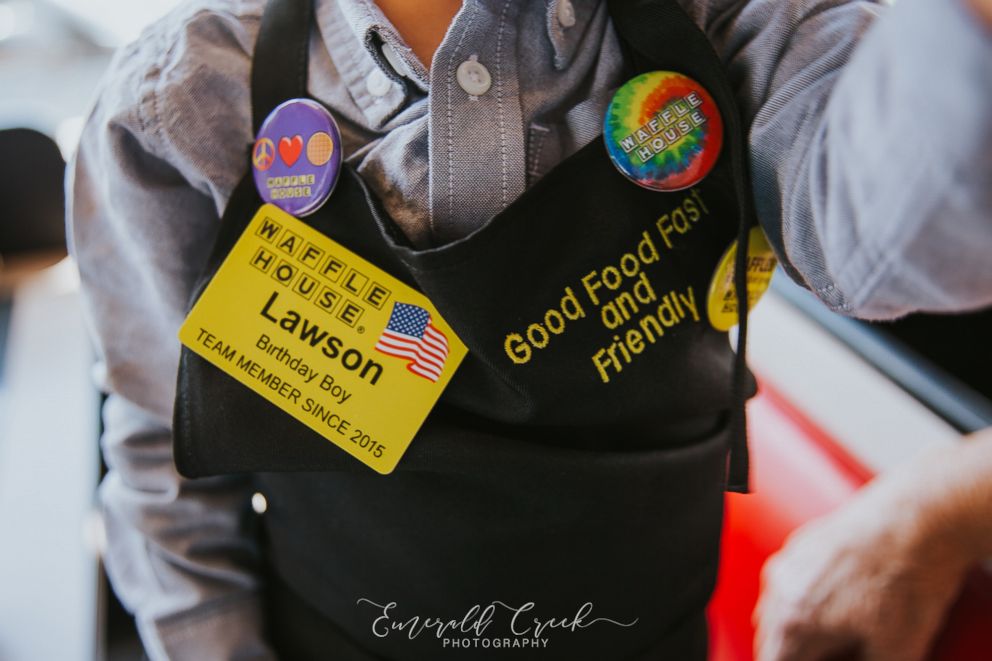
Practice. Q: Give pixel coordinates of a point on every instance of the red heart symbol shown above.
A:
(290, 149)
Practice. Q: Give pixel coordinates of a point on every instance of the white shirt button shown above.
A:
(259, 503)
(378, 83)
(566, 13)
(473, 77)
(394, 59)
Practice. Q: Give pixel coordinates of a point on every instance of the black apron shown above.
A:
(529, 483)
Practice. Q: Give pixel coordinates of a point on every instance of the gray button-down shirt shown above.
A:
(878, 176)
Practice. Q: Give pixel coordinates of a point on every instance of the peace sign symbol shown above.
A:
(264, 154)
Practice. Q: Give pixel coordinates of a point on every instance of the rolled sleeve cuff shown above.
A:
(914, 107)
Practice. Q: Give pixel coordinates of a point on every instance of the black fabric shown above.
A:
(535, 482)
(301, 633)
(634, 533)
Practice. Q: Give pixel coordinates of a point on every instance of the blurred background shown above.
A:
(840, 400)
(54, 600)
(53, 52)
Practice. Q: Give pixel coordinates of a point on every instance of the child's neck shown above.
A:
(422, 24)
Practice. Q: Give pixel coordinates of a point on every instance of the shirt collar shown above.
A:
(376, 33)
(349, 29)
(378, 36)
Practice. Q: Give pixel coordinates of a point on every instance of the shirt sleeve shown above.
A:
(181, 553)
(871, 146)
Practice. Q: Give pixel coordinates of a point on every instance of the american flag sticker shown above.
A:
(411, 336)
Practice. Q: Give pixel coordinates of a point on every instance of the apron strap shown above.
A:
(280, 66)
(657, 31)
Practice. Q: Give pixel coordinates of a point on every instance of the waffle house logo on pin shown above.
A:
(326, 336)
(663, 131)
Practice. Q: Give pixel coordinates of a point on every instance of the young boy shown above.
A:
(867, 176)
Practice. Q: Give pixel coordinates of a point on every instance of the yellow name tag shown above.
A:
(329, 338)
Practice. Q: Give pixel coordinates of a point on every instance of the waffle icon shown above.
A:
(320, 148)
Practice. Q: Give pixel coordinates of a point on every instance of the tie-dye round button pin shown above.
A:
(663, 131)
(296, 159)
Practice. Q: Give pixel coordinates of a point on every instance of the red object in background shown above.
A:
(799, 473)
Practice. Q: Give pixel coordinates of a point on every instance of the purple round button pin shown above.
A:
(297, 157)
